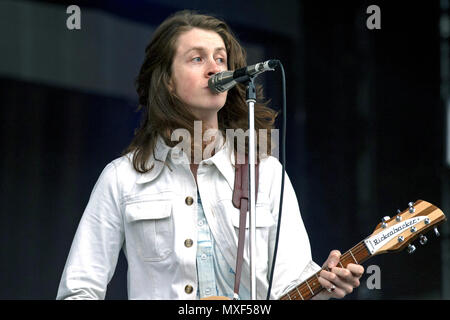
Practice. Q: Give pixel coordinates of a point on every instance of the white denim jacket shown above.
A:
(153, 217)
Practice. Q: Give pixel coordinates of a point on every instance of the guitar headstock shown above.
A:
(396, 233)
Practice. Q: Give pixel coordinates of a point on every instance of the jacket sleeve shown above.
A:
(97, 243)
(294, 262)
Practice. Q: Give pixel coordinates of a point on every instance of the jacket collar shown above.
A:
(223, 160)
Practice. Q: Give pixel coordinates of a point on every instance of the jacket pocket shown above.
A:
(264, 222)
(263, 226)
(151, 225)
(263, 218)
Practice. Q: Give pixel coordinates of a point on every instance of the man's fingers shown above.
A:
(337, 281)
(332, 290)
(342, 278)
(356, 269)
(333, 259)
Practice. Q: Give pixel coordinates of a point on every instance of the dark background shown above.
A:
(366, 130)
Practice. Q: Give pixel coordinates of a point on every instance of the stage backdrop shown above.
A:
(365, 132)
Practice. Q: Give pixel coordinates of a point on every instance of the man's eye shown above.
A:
(197, 59)
(221, 60)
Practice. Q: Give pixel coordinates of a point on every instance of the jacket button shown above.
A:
(188, 289)
(188, 243)
(189, 201)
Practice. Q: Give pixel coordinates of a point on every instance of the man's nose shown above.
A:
(213, 68)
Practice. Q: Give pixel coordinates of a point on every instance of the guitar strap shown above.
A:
(240, 201)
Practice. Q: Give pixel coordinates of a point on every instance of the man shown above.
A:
(172, 215)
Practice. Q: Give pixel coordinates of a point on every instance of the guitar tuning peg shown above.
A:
(423, 240)
(436, 232)
(411, 248)
(384, 220)
(399, 211)
(411, 207)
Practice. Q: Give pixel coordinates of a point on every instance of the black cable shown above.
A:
(283, 164)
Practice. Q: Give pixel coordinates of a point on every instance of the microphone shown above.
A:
(225, 80)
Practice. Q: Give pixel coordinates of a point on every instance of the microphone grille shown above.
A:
(273, 63)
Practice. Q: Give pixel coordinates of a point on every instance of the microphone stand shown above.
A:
(251, 100)
(226, 82)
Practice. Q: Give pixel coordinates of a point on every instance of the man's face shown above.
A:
(199, 54)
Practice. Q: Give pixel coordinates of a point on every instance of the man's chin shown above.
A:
(205, 111)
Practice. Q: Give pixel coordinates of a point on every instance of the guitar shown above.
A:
(391, 235)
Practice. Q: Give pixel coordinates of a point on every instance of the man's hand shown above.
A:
(338, 282)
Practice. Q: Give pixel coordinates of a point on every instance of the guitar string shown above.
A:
(301, 289)
(347, 255)
(355, 250)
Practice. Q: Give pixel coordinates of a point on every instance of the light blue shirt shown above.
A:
(215, 276)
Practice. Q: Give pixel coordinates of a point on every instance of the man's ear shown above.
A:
(170, 85)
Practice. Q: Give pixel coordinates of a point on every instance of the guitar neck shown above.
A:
(309, 288)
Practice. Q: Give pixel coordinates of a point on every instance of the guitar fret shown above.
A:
(341, 264)
(318, 282)
(309, 287)
(312, 292)
(317, 277)
(299, 293)
(353, 256)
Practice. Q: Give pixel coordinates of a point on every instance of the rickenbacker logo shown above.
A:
(395, 230)
(375, 242)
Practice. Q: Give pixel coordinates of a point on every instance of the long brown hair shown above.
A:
(163, 112)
